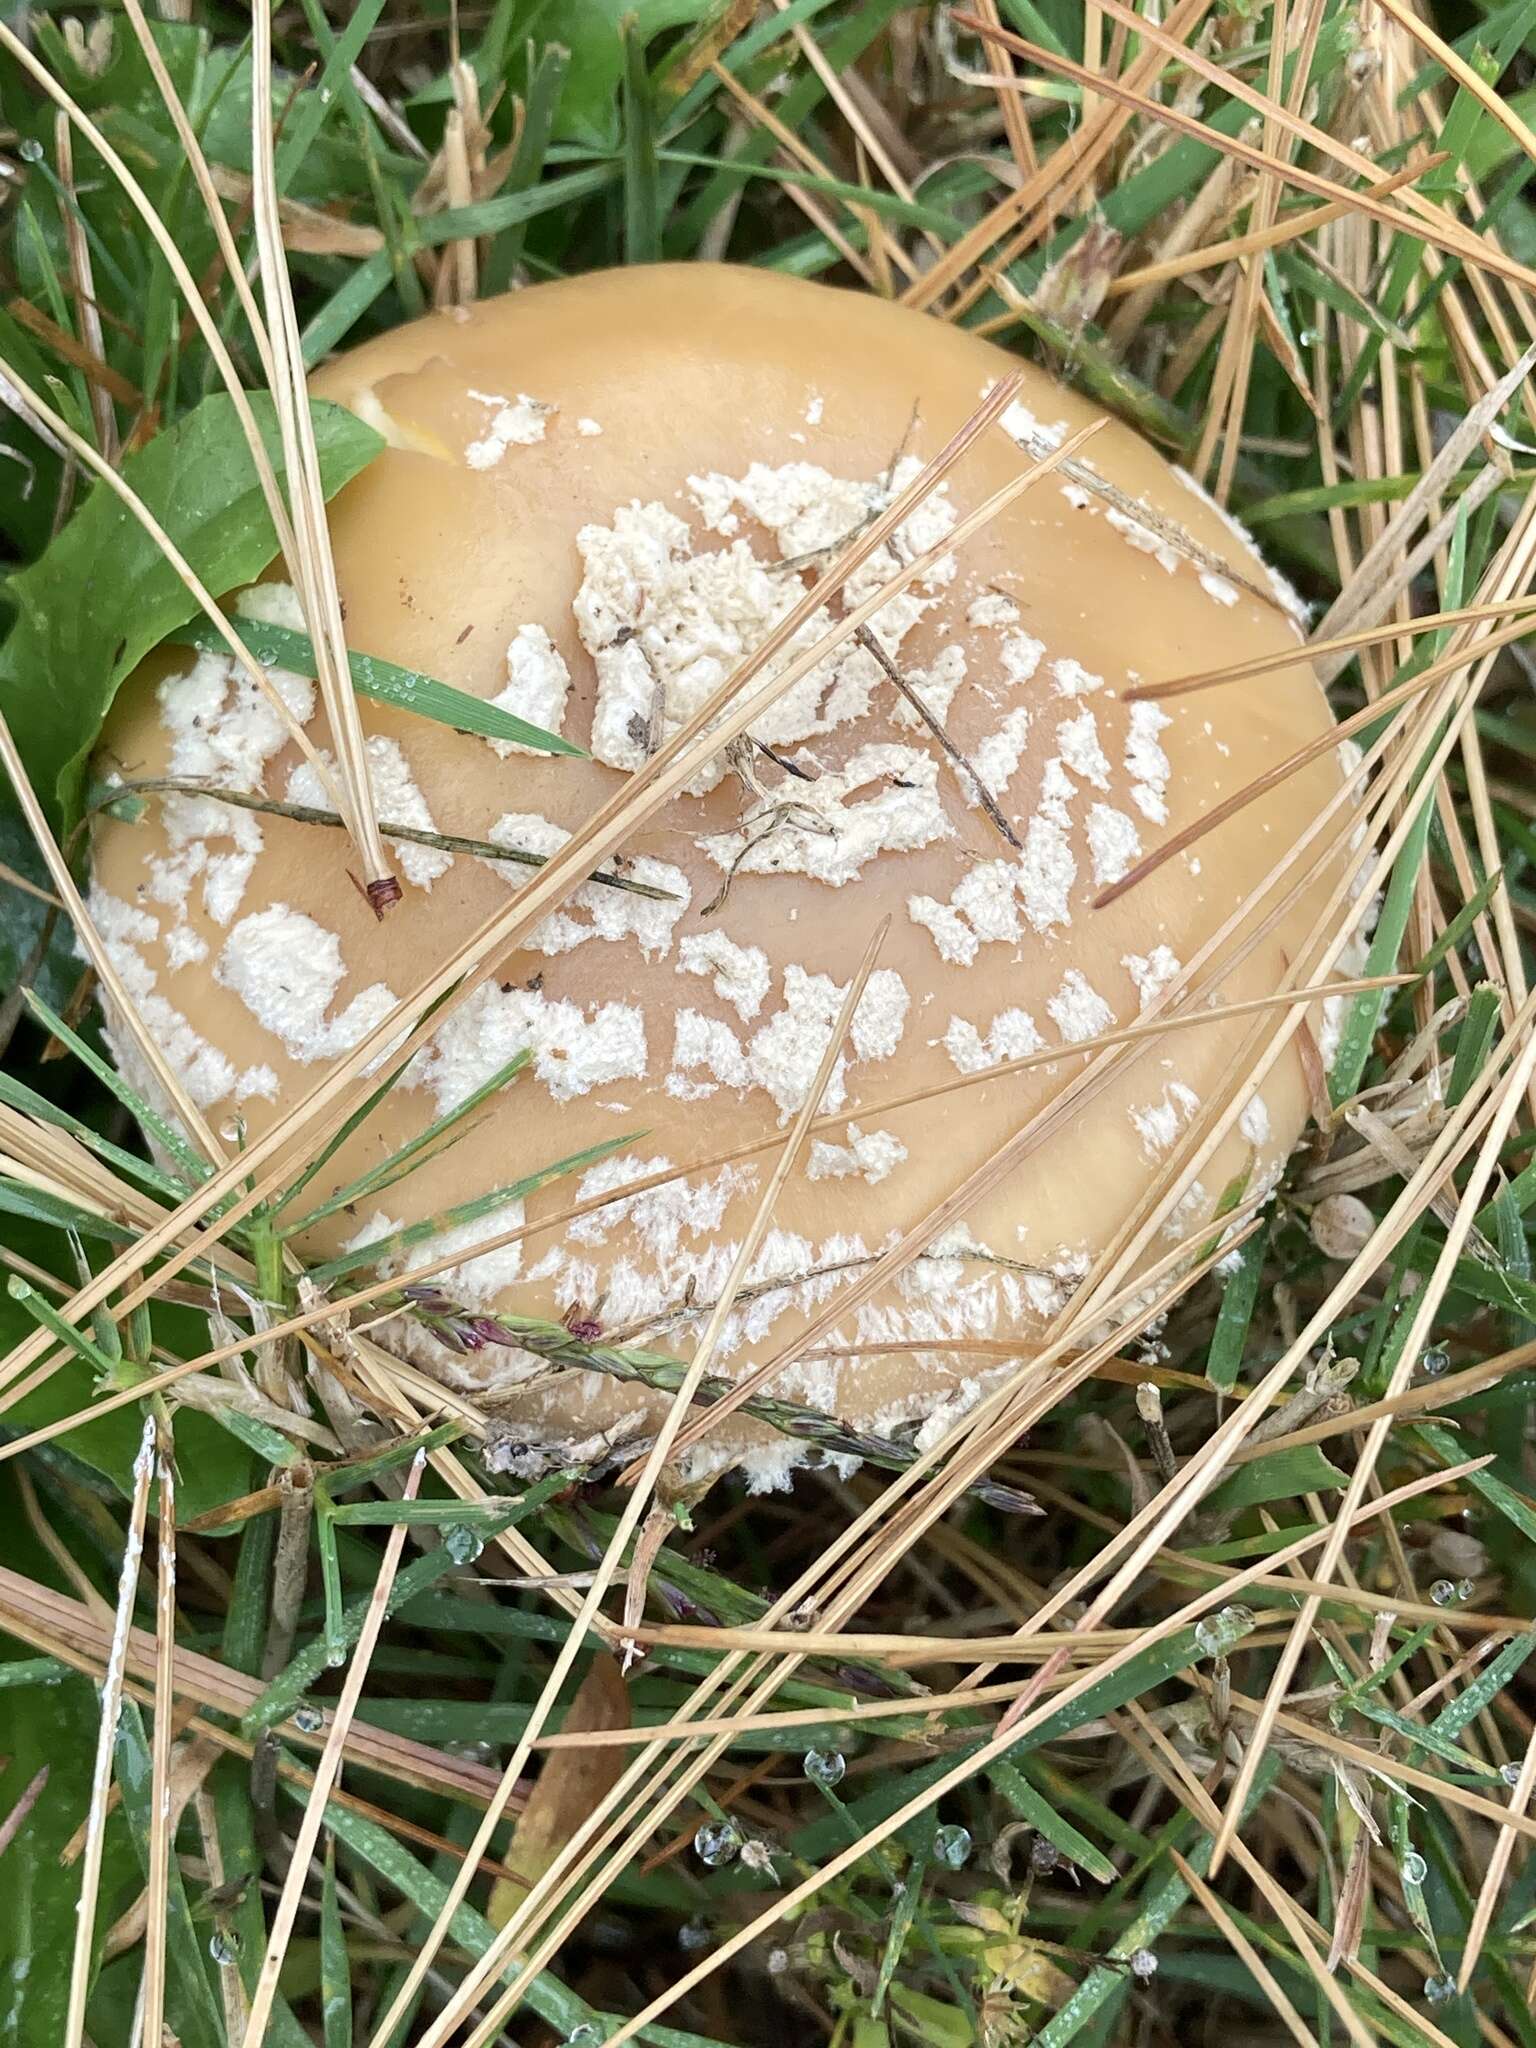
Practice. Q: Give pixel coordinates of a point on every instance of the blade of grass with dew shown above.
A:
(285, 1692)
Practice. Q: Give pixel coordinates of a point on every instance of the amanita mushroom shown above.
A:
(596, 498)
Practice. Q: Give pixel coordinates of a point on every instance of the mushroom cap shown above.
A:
(588, 496)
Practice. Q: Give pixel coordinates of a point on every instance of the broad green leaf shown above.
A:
(102, 594)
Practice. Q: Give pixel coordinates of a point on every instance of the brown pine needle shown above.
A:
(1243, 1948)
(1431, 224)
(1256, 240)
(1491, 1890)
(309, 562)
(1272, 778)
(1343, 643)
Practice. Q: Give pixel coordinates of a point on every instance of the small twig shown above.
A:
(309, 814)
(867, 640)
(1149, 1406)
(11, 1825)
(290, 1569)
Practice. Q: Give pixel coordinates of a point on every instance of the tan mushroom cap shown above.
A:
(537, 483)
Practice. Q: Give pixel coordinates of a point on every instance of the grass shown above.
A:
(312, 1722)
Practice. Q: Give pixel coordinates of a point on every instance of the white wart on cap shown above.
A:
(597, 498)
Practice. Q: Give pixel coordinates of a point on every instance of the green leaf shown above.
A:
(1033, 1806)
(1289, 1473)
(592, 30)
(335, 1972)
(642, 183)
(102, 594)
(1238, 1298)
(23, 916)
(213, 1467)
(387, 683)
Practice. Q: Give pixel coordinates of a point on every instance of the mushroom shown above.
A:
(597, 496)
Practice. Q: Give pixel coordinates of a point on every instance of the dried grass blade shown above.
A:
(161, 1818)
(310, 562)
(101, 1777)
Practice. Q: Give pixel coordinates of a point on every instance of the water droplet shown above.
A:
(232, 1130)
(952, 1845)
(1043, 1856)
(336, 1658)
(694, 1935)
(717, 1842)
(778, 1961)
(1308, 337)
(1436, 1360)
(307, 1719)
(1510, 1773)
(1465, 1588)
(30, 150)
(825, 1766)
(1143, 1964)
(462, 1543)
(1414, 1868)
(223, 1945)
(1442, 1592)
(584, 2035)
(1439, 1990)
(1220, 1632)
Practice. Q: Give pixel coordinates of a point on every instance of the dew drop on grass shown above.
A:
(1510, 1773)
(952, 1845)
(825, 1766)
(1465, 1589)
(1442, 1592)
(223, 1945)
(1439, 1990)
(30, 150)
(1218, 1633)
(307, 1719)
(1436, 1360)
(1143, 1964)
(693, 1935)
(584, 2035)
(462, 1543)
(1415, 1869)
(716, 1842)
